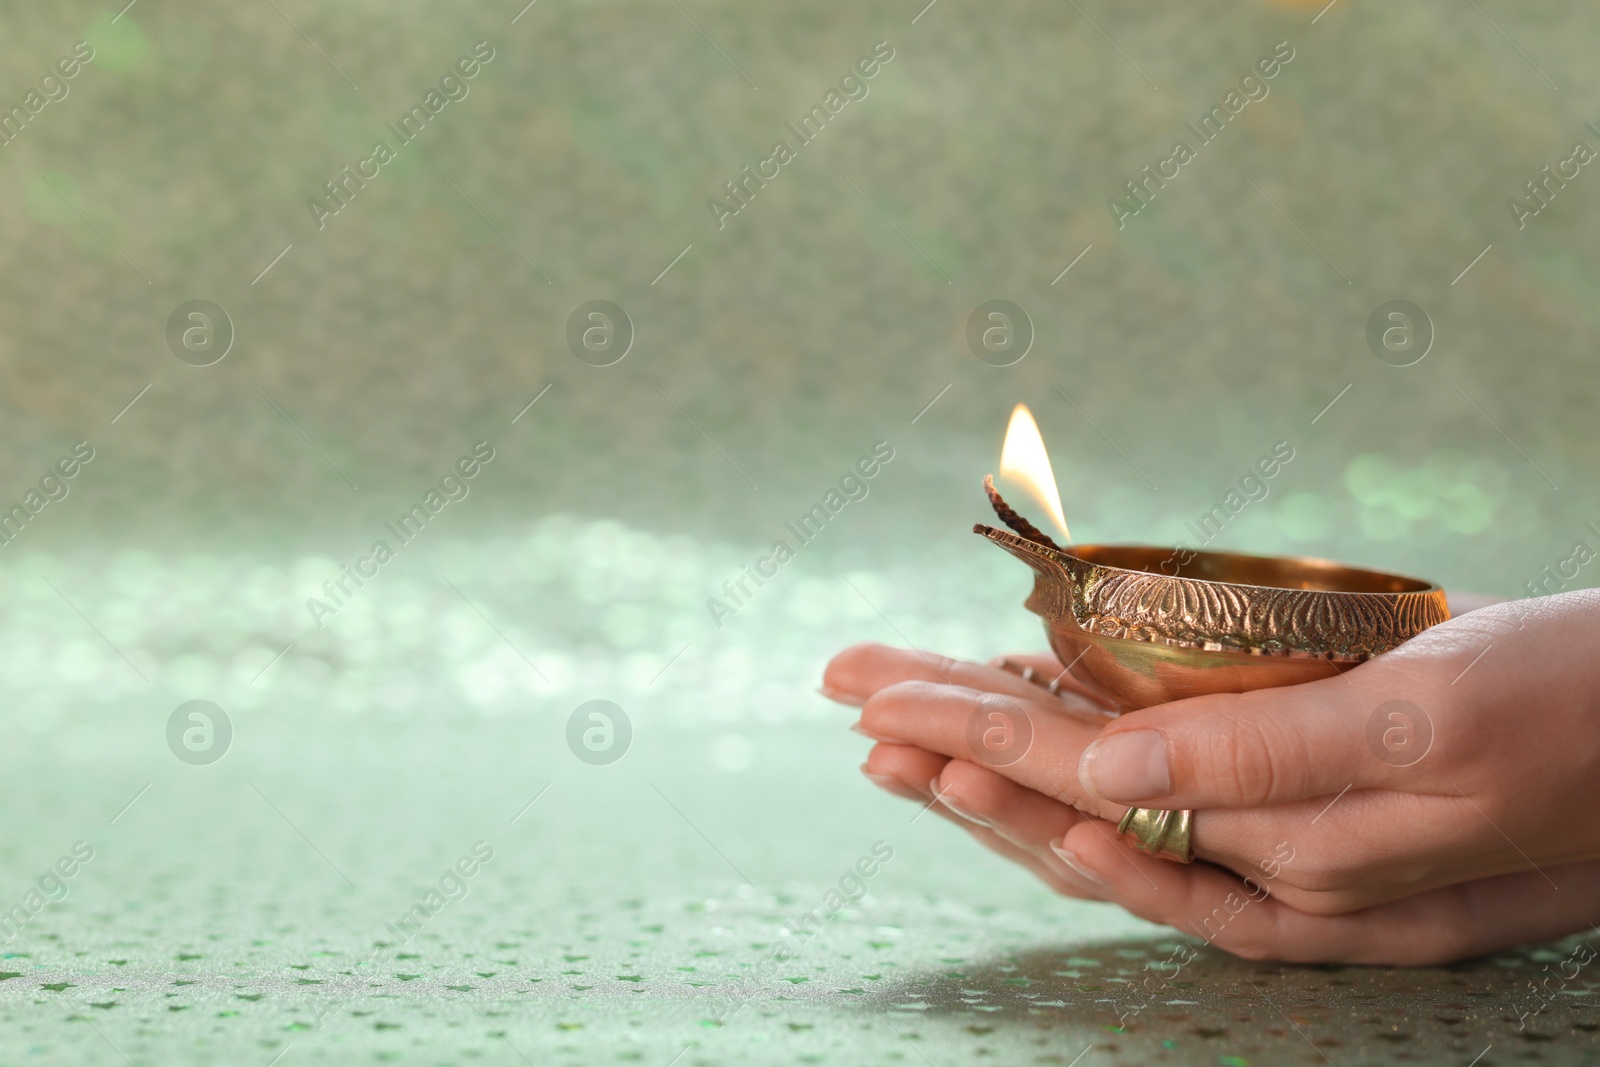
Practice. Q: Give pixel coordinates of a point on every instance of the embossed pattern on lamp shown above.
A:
(1143, 625)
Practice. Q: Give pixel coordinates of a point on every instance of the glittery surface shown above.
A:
(629, 911)
(254, 907)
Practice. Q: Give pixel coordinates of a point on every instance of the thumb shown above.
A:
(1247, 750)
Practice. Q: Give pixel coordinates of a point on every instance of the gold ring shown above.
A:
(1163, 834)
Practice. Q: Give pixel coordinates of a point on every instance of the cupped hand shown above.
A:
(1474, 809)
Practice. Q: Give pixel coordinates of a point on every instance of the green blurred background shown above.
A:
(370, 752)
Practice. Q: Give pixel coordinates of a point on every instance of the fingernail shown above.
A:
(888, 781)
(890, 784)
(838, 696)
(958, 809)
(864, 732)
(998, 832)
(1124, 767)
(1071, 860)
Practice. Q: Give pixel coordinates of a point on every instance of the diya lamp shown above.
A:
(1143, 625)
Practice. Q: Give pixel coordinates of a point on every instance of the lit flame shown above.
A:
(1024, 461)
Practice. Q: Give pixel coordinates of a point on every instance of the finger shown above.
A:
(1052, 874)
(890, 783)
(1019, 738)
(1343, 854)
(1027, 819)
(1256, 843)
(1040, 751)
(897, 767)
(1519, 908)
(1183, 896)
(1252, 750)
(1019, 814)
(859, 672)
(904, 770)
(1243, 917)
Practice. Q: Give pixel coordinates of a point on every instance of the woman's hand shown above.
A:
(1476, 787)
(1078, 855)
